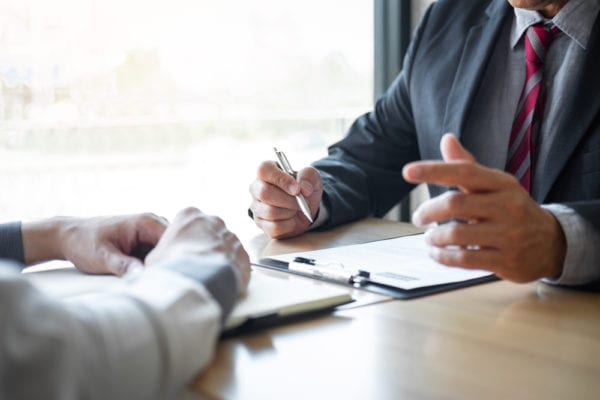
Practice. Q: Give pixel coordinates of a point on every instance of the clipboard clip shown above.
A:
(331, 271)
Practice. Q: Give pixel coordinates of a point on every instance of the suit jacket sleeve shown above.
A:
(147, 338)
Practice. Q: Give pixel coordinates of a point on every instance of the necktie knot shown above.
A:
(537, 42)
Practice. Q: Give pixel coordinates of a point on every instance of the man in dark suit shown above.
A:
(518, 84)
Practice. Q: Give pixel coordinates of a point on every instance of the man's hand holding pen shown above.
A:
(284, 164)
(275, 206)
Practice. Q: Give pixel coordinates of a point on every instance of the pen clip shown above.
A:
(331, 271)
(284, 163)
(304, 260)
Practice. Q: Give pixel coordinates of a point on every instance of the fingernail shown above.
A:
(135, 269)
(415, 172)
(307, 188)
(416, 218)
(427, 236)
(293, 189)
(130, 265)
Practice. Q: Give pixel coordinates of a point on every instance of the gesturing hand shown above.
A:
(506, 231)
(273, 203)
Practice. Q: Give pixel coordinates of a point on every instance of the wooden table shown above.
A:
(496, 340)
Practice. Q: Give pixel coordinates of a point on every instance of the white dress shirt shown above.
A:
(144, 339)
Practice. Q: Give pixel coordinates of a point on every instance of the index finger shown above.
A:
(270, 173)
(149, 228)
(469, 176)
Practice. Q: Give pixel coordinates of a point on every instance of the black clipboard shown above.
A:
(379, 288)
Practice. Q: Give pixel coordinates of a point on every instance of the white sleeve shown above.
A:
(145, 339)
(582, 261)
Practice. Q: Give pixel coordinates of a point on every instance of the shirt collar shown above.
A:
(576, 19)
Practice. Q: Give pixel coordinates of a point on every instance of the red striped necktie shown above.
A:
(530, 110)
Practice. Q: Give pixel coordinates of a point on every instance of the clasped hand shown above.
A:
(114, 245)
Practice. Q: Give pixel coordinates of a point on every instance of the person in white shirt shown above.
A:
(145, 338)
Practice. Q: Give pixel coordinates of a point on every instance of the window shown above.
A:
(126, 106)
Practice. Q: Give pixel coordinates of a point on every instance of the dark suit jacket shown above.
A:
(433, 95)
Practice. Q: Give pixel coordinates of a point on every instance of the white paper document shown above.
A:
(402, 262)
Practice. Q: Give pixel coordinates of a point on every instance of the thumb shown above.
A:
(118, 263)
(309, 180)
(452, 150)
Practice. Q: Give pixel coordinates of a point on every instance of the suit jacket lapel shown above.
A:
(581, 107)
(475, 56)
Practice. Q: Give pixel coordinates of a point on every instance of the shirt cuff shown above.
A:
(184, 318)
(322, 217)
(582, 260)
(214, 273)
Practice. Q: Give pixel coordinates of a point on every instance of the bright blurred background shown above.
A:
(126, 106)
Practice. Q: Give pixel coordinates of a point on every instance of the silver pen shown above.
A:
(285, 165)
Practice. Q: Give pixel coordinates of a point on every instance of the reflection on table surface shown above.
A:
(496, 340)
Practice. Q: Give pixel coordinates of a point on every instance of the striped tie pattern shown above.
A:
(530, 109)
